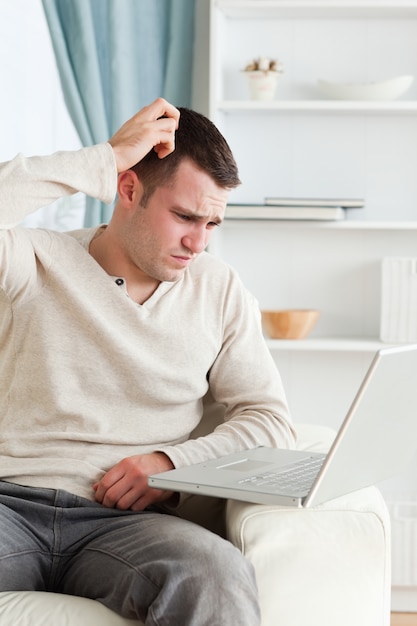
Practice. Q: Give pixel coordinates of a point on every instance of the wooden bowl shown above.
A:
(289, 324)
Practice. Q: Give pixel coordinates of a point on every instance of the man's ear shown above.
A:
(128, 187)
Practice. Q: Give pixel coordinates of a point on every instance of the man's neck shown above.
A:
(139, 286)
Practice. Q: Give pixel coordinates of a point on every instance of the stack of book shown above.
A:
(294, 209)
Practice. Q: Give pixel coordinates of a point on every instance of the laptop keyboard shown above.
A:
(295, 478)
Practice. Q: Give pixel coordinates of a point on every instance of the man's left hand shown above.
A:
(125, 486)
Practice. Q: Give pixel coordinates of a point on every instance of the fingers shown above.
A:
(153, 126)
(125, 486)
(138, 500)
(108, 488)
(160, 108)
(135, 499)
(119, 497)
(165, 128)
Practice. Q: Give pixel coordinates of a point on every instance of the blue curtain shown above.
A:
(114, 57)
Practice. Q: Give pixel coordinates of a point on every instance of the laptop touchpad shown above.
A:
(244, 465)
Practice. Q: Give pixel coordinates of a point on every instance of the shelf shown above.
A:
(327, 344)
(319, 106)
(267, 9)
(325, 225)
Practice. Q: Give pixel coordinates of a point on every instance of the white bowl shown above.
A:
(383, 90)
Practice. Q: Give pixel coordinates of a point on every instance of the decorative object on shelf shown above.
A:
(262, 75)
(289, 323)
(399, 300)
(384, 90)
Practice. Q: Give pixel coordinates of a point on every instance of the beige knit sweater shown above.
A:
(88, 376)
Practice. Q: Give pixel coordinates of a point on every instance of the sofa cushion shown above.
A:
(38, 608)
(314, 438)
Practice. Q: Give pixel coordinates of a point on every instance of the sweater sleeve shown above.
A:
(28, 183)
(245, 380)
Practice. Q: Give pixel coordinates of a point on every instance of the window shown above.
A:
(33, 115)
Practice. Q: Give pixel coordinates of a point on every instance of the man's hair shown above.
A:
(198, 140)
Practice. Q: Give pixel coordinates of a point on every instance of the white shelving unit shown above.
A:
(301, 144)
(318, 106)
(250, 9)
(310, 146)
(328, 344)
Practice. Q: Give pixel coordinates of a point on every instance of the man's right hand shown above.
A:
(153, 126)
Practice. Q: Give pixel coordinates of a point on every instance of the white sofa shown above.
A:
(325, 566)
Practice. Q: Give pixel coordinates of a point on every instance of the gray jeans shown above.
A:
(148, 565)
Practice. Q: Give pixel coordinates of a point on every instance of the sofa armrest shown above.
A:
(328, 564)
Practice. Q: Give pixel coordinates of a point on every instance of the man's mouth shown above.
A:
(184, 260)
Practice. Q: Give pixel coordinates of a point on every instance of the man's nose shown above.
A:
(196, 241)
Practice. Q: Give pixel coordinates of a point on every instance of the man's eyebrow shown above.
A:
(197, 216)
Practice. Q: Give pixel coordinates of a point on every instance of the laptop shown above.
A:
(377, 437)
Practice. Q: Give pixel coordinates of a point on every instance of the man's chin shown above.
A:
(172, 276)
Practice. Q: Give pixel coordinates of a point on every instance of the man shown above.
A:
(111, 338)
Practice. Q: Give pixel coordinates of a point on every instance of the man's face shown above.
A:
(165, 236)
